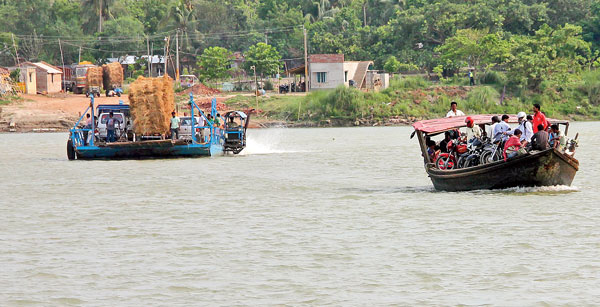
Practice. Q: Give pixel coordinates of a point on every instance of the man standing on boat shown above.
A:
(110, 127)
(453, 111)
(538, 118)
(175, 126)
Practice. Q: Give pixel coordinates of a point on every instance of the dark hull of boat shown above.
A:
(544, 168)
(147, 149)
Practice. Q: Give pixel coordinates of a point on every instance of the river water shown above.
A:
(339, 216)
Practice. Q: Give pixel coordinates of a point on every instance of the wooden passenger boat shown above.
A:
(536, 168)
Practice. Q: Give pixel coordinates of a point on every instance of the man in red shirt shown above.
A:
(538, 118)
(512, 146)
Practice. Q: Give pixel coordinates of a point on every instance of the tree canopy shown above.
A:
(425, 34)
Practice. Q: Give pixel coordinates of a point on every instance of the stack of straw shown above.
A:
(94, 76)
(151, 102)
(113, 75)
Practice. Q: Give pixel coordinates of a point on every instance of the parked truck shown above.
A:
(77, 81)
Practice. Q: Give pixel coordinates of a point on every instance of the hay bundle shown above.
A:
(151, 102)
(112, 75)
(93, 76)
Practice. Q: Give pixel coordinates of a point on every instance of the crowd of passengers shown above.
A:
(534, 132)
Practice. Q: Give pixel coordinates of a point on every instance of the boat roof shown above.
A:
(239, 113)
(112, 106)
(437, 125)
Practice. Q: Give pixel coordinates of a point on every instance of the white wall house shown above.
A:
(329, 71)
(326, 71)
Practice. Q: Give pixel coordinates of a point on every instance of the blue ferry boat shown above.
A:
(85, 143)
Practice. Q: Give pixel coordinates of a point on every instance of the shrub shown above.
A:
(492, 77)
(268, 85)
(591, 86)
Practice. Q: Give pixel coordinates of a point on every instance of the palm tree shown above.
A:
(181, 18)
(324, 10)
(101, 8)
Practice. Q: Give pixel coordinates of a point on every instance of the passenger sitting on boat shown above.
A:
(525, 127)
(557, 138)
(431, 151)
(501, 129)
(444, 142)
(539, 141)
(110, 127)
(472, 130)
(495, 121)
(232, 123)
(513, 146)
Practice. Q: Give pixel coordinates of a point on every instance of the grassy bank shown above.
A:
(416, 98)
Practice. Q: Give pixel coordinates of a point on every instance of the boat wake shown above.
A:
(265, 143)
(555, 189)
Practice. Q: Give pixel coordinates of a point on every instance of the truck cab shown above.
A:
(78, 77)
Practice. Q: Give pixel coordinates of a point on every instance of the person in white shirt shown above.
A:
(453, 111)
(495, 121)
(525, 127)
(472, 130)
(501, 129)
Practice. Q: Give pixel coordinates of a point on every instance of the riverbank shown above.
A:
(406, 100)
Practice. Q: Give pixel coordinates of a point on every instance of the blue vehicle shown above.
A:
(235, 126)
(148, 146)
(115, 91)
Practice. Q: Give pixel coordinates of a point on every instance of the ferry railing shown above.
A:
(77, 134)
(215, 133)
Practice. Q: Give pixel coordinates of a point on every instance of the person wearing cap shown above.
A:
(525, 127)
(453, 111)
(174, 126)
(472, 130)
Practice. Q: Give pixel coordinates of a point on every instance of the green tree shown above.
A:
(551, 55)
(96, 12)
(477, 48)
(215, 63)
(392, 65)
(112, 43)
(264, 57)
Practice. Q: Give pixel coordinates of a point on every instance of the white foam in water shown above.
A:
(554, 188)
(266, 141)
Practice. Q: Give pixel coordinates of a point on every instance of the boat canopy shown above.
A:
(434, 126)
(236, 113)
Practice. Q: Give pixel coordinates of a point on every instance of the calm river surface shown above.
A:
(340, 216)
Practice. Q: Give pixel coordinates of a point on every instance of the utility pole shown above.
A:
(306, 77)
(79, 55)
(166, 53)
(63, 65)
(267, 38)
(149, 59)
(100, 17)
(177, 55)
(152, 57)
(18, 62)
(255, 86)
